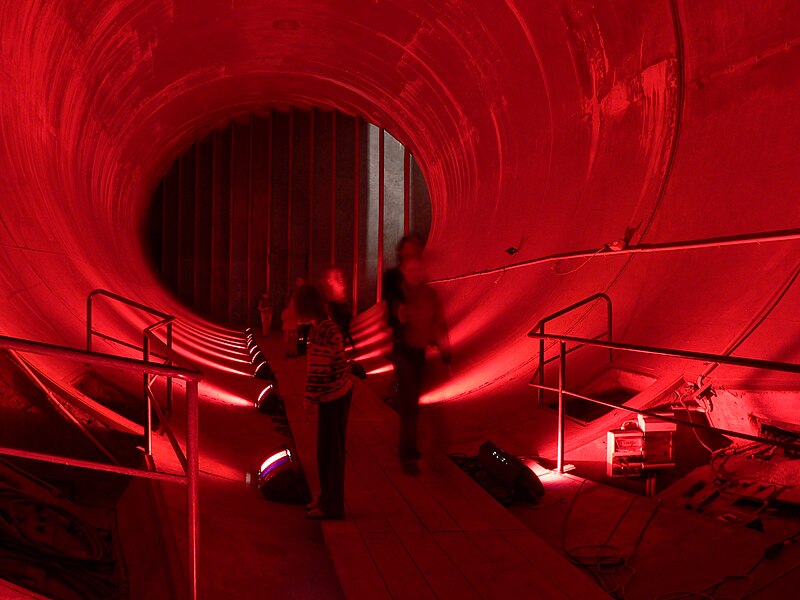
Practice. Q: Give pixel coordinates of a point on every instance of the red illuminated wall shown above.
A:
(552, 126)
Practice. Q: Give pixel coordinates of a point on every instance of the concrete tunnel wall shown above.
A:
(552, 127)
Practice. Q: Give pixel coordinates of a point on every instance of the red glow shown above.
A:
(220, 394)
(558, 129)
(381, 369)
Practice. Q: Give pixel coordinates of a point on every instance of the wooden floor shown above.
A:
(438, 535)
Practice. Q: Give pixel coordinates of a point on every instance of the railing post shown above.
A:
(192, 481)
(148, 418)
(541, 366)
(610, 328)
(169, 362)
(89, 325)
(562, 375)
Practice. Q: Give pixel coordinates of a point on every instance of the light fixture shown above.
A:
(517, 478)
(274, 461)
(269, 401)
(280, 477)
(263, 371)
(258, 357)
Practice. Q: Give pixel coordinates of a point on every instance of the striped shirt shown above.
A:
(328, 372)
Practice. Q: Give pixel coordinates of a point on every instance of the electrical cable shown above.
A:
(762, 316)
(770, 553)
(580, 266)
(694, 429)
(605, 567)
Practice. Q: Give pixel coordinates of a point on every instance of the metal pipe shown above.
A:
(540, 325)
(89, 319)
(111, 338)
(170, 436)
(540, 393)
(128, 301)
(610, 329)
(727, 432)
(97, 358)
(148, 406)
(578, 304)
(192, 479)
(758, 239)
(88, 464)
(569, 351)
(562, 375)
(752, 363)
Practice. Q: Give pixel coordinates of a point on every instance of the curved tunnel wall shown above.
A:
(551, 127)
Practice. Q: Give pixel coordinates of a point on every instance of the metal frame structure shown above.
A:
(190, 463)
(540, 326)
(563, 340)
(148, 338)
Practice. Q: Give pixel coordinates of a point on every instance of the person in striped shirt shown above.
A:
(330, 388)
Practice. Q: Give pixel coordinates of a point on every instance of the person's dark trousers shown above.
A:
(409, 365)
(331, 434)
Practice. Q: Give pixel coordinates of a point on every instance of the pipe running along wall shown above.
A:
(551, 127)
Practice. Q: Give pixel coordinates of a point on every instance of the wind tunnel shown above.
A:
(553, 129)
(645, 150)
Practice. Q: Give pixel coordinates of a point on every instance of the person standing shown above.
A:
(418, 322)
(265, 310)
(339, 307)
(330, 388)
(289, 321)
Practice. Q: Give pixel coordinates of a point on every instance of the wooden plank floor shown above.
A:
(438, 535)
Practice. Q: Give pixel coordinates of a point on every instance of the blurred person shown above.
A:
(392, 294)
(289, 326)
(419, 323)
(265, 310)
(392, 282)
(339, 306)
(289, 322)
(330, 388)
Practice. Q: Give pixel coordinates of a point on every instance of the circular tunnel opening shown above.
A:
(278, 195)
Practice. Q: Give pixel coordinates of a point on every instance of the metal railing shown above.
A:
(737, 361)
(148, 337)
(190, 463)
(540, 326)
